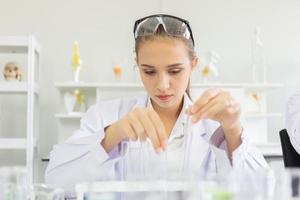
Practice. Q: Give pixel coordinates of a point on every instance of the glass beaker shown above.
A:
(140, 161)
(214, 187)
(13, 183)
(135, 190)
(252, 184)
(290, 183)
(44, 192)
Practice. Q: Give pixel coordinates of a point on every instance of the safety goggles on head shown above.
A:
(173, 26)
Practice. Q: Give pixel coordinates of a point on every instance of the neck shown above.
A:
(172, 112)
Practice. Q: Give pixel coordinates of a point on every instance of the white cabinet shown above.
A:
(28, 47)
(94, 92)
(257, 122)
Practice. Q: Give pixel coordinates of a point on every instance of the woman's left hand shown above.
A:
(220, 106)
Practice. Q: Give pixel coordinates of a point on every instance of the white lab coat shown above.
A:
(293, 120)
(81, 158)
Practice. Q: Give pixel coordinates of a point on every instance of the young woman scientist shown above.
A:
(165, 57)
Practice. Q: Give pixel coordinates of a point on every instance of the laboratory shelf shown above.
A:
(75, 85)
(69, 116)
(18, 44)
(239, 85)
(95, 85)
(14, 143)
(270, 149)
(17, 87)
(262, 115)
(29, 46)
(137, 85)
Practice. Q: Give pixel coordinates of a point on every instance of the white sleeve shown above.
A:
(82, 158)
(293, 120)
(246, 156)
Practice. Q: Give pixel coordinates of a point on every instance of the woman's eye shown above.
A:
(149, 72)
(174, 71)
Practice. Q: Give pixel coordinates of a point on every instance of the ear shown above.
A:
(194, 63)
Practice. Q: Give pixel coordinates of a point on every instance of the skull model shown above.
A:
(12, 72)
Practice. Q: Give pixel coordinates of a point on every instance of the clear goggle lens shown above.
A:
(172, 26)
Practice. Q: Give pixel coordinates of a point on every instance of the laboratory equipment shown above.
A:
(259, 68)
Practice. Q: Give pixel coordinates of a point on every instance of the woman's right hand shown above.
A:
(140, 123)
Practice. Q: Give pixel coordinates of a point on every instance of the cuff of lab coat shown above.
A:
(247, 155)
(244, 156)
(111, 155)
(95, 148)
(218, 139)
(239, 154)
(99, 151)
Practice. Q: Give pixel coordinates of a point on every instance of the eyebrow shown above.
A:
(169, 66)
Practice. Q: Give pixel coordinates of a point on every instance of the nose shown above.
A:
(163, 83)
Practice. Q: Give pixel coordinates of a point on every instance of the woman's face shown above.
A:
(165, 68)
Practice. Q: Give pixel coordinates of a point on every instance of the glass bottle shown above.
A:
(258, 58)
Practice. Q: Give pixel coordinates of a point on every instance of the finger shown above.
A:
(235, 108)
(137, 126)
(160, 128)
(202, 114)
(149, 129)
(204, 99)
(130, 132)
(216, 110)
(221, 108)
(222, 98)
(211, 113)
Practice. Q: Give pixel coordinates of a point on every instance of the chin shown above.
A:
(165, 105)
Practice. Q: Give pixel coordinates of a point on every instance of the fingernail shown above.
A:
(158, 150)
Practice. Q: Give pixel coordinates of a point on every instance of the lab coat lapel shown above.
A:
(199, 147)
(142, 102)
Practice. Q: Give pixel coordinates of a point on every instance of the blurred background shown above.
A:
(104, 32)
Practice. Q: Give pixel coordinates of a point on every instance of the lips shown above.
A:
(164, 97)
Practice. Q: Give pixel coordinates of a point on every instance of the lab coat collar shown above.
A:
(178, 129)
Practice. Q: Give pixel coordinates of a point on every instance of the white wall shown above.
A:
(104, 30)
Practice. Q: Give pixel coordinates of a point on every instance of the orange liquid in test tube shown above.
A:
(118, 70)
